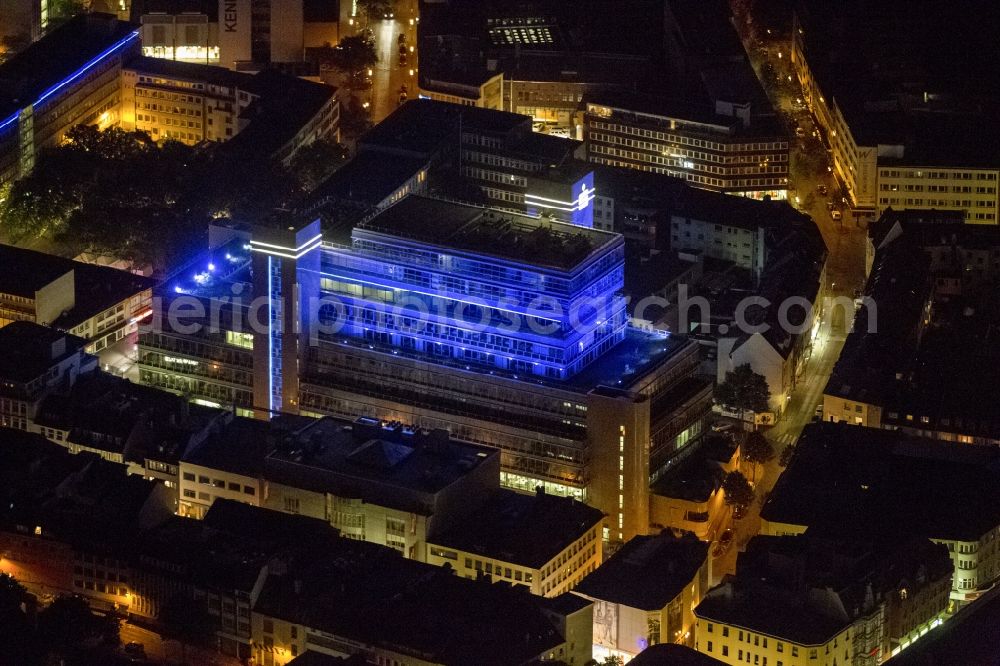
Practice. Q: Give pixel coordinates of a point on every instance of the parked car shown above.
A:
(402, 49)
(722, 546)
(818, 413)
(402, 60)
(799, 132)
(135, 651)
(402, 38)
(836, 215)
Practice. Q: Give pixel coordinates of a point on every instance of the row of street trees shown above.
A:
(121, 193)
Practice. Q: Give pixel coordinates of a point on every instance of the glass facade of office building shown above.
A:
(478, 308)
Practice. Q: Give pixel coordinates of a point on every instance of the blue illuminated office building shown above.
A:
(500, 291)
(505, 329)
(69, 77)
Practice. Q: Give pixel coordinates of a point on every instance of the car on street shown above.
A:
(402, 49)
(135, 652)
(402, 38)
(722, 546)
(388, 16)
(836, 215)
(402, 98)
(402, 59)
(818, 413)
(799, 132)
(822, 189)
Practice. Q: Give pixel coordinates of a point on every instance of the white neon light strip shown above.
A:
(286, 248)
(285, 255)
(589, 193)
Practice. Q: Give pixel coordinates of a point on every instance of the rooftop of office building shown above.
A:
(528, 530)
(374, 460)
(874, 479)
(189, 71)
(31, 350)
(241, 446)
(648, 572)
(285, 105)
(920, 73)
(505, 235)
(43, 67)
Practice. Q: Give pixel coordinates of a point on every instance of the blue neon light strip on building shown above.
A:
(83, 70)
(270, 336)
(74, 76)
(10, 120)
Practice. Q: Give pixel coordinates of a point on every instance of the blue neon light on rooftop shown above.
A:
(90, 63)
(75, 75)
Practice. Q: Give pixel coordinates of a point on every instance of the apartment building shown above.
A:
(869, 480)
(103, 305)
(798, 600)
(545, 543)
(366, 601)
(645, 593)
(917, 360)
(38, 361)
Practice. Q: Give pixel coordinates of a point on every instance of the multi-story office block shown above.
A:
(185, 102)
(503, 329)
(726, 152)
(574, 399)
(908, 135)
(69, 77)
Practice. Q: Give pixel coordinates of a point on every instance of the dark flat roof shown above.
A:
(672, 654)
(528, 530)
(23, 272)
(190, 71)
(876, 479)
(374, 460)
(370, 177)
(286, 104)
(28, 352)
(374, 595)
(648, 572)
(56, 56)
(490, 232)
